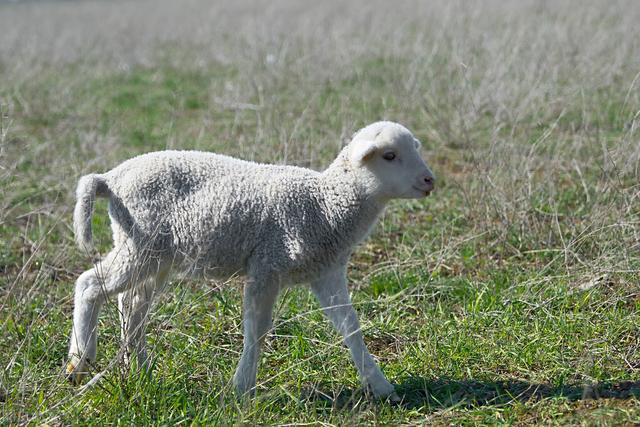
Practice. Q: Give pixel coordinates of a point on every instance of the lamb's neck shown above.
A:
(350, 210)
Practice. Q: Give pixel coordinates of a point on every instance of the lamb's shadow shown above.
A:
(440, 393)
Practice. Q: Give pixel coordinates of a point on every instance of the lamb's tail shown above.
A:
(89, 187)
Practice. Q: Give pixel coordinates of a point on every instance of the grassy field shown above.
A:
(511, 296)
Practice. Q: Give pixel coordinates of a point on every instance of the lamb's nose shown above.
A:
(429, 181)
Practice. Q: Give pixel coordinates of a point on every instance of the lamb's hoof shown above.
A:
(74, 375)
(244, 386)
(243, 394)
(393, 398)
(383, 391)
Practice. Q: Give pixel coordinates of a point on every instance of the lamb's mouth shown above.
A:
(426, 193)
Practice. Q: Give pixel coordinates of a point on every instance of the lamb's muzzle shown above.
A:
(426, 183)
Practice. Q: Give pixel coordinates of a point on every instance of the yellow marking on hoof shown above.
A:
(70, 368)
(73, 375)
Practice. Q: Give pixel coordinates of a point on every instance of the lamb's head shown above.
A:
(388, 157)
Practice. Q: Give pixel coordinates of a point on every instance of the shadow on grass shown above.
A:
(434, 394)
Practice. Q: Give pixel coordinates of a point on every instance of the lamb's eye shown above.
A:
(390, 155)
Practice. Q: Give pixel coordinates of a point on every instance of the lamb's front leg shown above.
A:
(260, 294)
(331, 291)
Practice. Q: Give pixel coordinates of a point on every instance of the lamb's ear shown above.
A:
(361, 151)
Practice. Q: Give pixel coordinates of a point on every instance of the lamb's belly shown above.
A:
(215, 265)
(221, 255)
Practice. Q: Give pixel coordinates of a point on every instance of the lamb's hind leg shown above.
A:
(110, 276)
(134, 305)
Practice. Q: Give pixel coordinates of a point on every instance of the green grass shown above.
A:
(511, 296)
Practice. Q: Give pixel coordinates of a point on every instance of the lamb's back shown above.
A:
(201, 205)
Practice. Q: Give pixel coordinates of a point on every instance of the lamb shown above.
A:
(211, 215)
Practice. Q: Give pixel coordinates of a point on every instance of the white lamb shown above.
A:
(207, 214)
